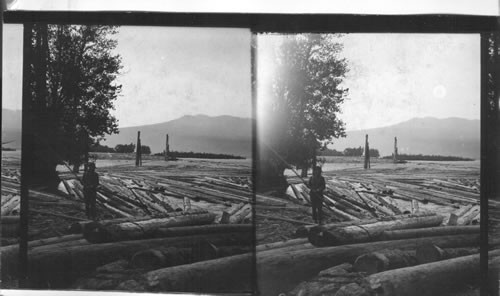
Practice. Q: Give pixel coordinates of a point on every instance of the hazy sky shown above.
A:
(168, 73)
(395, 77)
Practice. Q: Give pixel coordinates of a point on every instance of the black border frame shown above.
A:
(292, 23)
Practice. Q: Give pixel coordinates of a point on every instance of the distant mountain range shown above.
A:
(233, 135)
(428, 136)
(199, 133)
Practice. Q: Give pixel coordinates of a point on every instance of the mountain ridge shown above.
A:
(451, 136)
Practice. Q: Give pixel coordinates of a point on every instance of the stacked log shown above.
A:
(58, 266)
(368, 232)
(97, 232)
(426, 279)
(279, 271)
(10, 226)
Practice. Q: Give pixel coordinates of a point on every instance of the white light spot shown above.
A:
(439, 91)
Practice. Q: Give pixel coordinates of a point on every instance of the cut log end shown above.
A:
(428, 252)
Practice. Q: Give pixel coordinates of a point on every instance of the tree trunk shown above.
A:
(280, 271)
(426, 279)
(369, 232)
(99, 233)
(431, 231)
(56, 267)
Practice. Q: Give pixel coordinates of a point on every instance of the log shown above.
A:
(282, 244)
(10, 254)
(98, 233)
(284, 219)
(10, 219)
(233, 274)
(280, 271)
(435, 278)
(327, 282)
(57, 215)
(10, 205)
(384, 260)
(203, 229)
(227, 214)
(10, 229)
(172, 256)
(368, 232)
(427, 253)
(59, 266)
(303, 231)
(430, 231)
(78, 227)
(240, 214)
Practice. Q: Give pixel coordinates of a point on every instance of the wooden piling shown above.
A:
(138, 154)
(395, 154)
(367, 153)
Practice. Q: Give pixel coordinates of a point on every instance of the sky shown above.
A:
(167, 73)
(396, 77)
(171, 72)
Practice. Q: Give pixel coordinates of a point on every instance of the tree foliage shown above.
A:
(306, 99)
(73, 72)
(124, 148)
(145, 149)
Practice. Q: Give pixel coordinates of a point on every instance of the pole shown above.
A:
(395, 155)
(138, 160)
(367, 153)
(166, 149)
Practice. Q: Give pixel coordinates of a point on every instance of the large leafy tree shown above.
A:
(73, 72)
(306, 99)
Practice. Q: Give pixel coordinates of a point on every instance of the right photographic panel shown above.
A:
(368, 163)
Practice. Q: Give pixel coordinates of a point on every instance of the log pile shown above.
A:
(148, 219)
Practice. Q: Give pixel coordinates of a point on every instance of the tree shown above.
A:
(374, 153)
(306, 97)
(145, 149)
(72, 81)
(121, 148)
(354, 151)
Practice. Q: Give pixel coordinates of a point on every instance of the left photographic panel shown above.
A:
(139, 170)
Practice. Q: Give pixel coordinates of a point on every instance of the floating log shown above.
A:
(171, 256)
(10, 254)
(368, 232)
(303, 231)
(327, 282)
(222, 275)
(428, 252)
(203, 229)
(384, 260)
(435, 278)
(282, 244)
(57, 267)
(9, 206)
(279, 271)
(284, 219)
(98, 233)
(238, 216)
(227, 214)
(430, 231)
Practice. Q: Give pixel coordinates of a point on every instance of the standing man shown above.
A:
(90, 183)
(317, 185)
